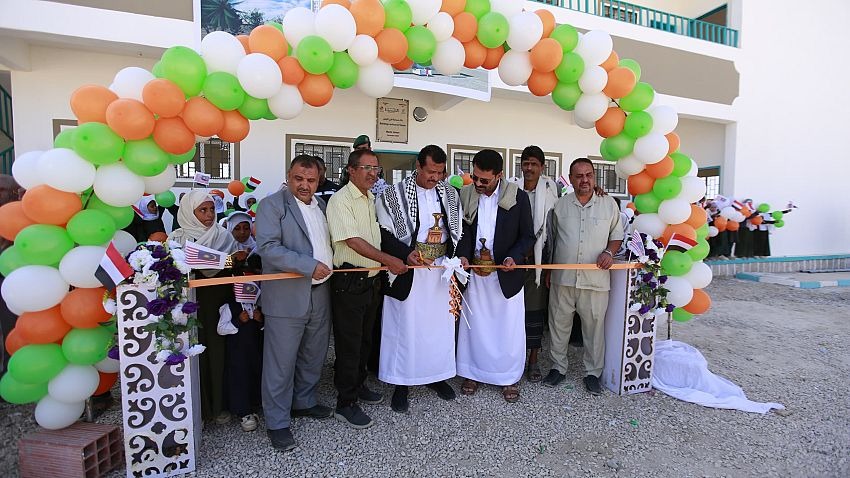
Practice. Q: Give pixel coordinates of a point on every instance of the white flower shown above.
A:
(165, 343)
(178, 317)
(659, 312)
(140, 258)
(110, 306)
(194, 350)
(154, 318)
(178, 255)
(163, 355)
(635, 307)
(643, 259)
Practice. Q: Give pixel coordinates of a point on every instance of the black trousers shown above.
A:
(355, 301)
(244, 366)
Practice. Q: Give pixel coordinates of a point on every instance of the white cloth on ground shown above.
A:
(681, 371)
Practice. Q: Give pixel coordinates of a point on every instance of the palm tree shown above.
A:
(253, 19)
(221, 15)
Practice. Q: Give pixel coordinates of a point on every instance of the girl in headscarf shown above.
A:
(148, 219)
(239, 224)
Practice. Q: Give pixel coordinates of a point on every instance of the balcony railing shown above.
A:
(650, 18)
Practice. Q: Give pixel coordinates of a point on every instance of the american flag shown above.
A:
(246, 292)
(636, 244)
(200, 257)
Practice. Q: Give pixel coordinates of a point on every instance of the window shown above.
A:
(607, 179)
(463, 161)
(711, 177)
(214, 157)
(620, 11)
(333, 151)
(551, 168)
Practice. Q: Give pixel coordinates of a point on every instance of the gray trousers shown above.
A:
(294, 351)
(591, 306)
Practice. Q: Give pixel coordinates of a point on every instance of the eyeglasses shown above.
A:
(482, 181)
(369, 168)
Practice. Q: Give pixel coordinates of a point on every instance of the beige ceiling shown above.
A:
(177, 9)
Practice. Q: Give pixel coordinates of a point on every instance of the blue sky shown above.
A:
(272, 8)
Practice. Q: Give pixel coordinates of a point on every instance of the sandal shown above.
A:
(469, 387)
(511, 393)
(534, 373)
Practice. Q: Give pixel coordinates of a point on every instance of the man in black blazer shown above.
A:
(498, 230)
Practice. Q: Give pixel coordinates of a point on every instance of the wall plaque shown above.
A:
(392, 120)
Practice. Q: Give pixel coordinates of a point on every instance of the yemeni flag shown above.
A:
(252, 183)
(113, 269)
(680, 242)
(738, 205)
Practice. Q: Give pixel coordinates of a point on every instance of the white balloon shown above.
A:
(442, 25)
(649, 223)
(664, 119)
(515, 67)
(693, 189)
(25, 169)
(79, 265)
(629, 165)
(335, 24)
(130, 81)
(651, 148)
(222, 51)
(594, 47)
(449, 57)
(75, 383)
(679, 291)
(34, 288)
(584, 124)
(713, 231)
(161, 182)
(591, 107)
(363, 50)
(525, 30)
(259, 75)
(728, 212)
(508, 8)
(117, 186)
(14, 310)
(124, 242)
(699, 276)
(674, 211)
(65, 170)
(424, 10)
(287, 103)
(593, 80)
(55, 415)
(108, 365)
(376, 80)
(297, 24)
(694, 169)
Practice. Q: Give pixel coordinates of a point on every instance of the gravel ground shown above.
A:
(780, 344)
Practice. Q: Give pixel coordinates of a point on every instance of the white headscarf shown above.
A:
(143, 208)
(233, 220)
(215, 236)
(245, 200)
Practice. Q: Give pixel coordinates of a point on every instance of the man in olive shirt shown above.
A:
(585, 229)
(356, 239)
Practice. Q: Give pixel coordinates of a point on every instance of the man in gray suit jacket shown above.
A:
(292, 236)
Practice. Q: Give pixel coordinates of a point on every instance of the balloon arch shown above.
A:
(131, 134)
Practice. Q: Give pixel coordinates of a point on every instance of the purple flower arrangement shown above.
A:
(650, 294)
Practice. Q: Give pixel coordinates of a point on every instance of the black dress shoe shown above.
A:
(591, 383)
(317, 411)
(399, 402)
(554, 378)
(367, 396)
(444, 390)
(282, 439)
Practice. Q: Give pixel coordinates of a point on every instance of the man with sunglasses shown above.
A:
(497, 230)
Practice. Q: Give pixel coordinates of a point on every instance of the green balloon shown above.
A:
(97, 143)
(248, 187)
(91, 227)
(224, 91)
(344, 72)
(638, 124)
(157, 69)
(456, 181)
(37, 363)
(478, 8)
(398, 15)
(165, 199)
(421, 44)
(566, 35)
(779, 223)
(606, 154)
(87, 346)
(682, 315)
(276, 25)
(667, 187)
(566, 95)
(777, 215)
(145, 158)
(702, 231)
(121, 216)
(11, 259)
(764, 207)
(493, 30)
(681, 164)
(315, 54)
(676, 263)
(639, 99)
(252, 108)
(188, 155)
(632, 65)
(269, 116)
(570, 68)
(699, 251)
(20, 393)
(254, 207)
(184, 67)
(228, 212)
(65, 139)
(619, 146)
(43, 244)
(647, 203)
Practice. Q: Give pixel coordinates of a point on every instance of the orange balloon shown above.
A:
(403, 64)
(548, 21)
(243, 39)
(130, 119)
(720, 223)
(42, 327)
(291, 70)
(674, 142)
(697, 218)
(172, 135)
(236, 127)
(611, 62)
(107, 380)
(467, 179)
(14, 341)
(661, 169)
(369, 16)
(611, 123)
(344, 3)
(756, 221)
(631, 206)
(700, 302)
(546, 55)
(269, 41)
(236, 187)
(466, 26)
(745, 211)
(640, 183)
(83, 308)
(392, 45)
(453, 7)
(316, 90)
(202, 117)
(732, 226)
(540, 83)
(476, 53)
(163, 98)
(494, 56)
(89, 103)
(13, 219)
(46, 205)
(621, 81)
(683, 229)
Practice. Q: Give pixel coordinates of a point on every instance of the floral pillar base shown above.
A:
(161, 417)
(629, 339)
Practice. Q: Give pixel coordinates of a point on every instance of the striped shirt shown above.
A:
(352, 214)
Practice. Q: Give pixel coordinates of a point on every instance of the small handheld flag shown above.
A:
(251, 183)
(246, 292)
(636, 244)
(201, 257)
(202, 178)
(680, 242)
(113, 269)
